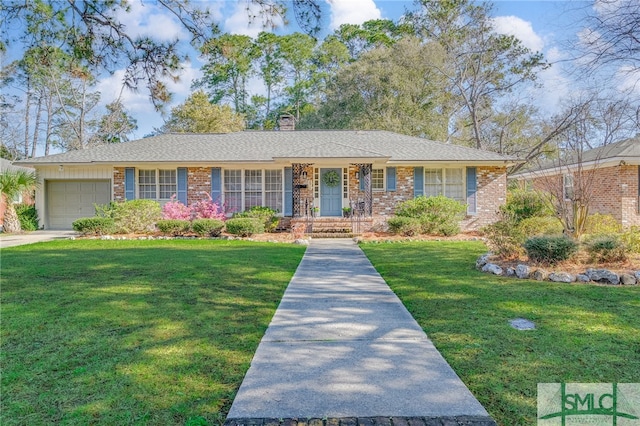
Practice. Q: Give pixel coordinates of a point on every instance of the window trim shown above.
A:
(565, 196)
(243, 189)
(156, 184)
(444, 182)
(384, 180)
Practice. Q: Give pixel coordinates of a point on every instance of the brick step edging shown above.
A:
(368, 421)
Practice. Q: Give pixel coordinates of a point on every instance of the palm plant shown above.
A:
(12, 184)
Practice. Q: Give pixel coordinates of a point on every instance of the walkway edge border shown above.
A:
(368, 421)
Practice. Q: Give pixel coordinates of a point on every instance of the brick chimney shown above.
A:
(287, 122)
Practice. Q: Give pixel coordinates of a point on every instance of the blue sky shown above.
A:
(546, 26)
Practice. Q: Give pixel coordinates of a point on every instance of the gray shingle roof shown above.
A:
(270, 145)
(629, 148)
(7, 165)
(626, 150)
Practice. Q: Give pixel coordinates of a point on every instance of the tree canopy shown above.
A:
(198, 115)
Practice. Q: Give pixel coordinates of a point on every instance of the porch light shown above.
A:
(61, 168)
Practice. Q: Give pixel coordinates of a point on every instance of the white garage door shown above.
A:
(70, 200)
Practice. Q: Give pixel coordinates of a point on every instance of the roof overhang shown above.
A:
(331, 160)
(587, 165)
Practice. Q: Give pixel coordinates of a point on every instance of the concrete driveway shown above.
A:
(12, 240)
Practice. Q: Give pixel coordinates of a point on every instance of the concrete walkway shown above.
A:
(342, 347)
(12, 240)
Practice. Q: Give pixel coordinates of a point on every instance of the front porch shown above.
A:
(320, 192)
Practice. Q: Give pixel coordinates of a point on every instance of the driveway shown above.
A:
(12, 240)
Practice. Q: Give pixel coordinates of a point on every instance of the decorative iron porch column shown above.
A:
(365, 171)
(297, 171)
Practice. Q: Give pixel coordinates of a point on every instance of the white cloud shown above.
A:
(248, 19)
(138, 103)
(352, 12)
(629, 78)
(521, 29)
(145, 19)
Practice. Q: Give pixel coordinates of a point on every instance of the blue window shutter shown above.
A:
(129, 183)
(288, 191)
(361, 178)
(216, 185)
(182, 185)
(472, 200)
(418, 181)
(391, 178)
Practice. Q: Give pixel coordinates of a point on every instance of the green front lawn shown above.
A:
(133, 332)
(585, 333)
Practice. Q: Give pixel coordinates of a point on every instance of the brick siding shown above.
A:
(491, 191)
(118, 184)
(612, 191)
(198, 184)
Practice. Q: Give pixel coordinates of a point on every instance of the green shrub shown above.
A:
(407, 226)
(505, 238)
(437, 215)
(631, 239)
(207, 227)
(265, 214)
(94, 226)
(28, 216)
(135, 216)
(606, 248)
(522, 205)
(540, 225)
(244, 226)
(550, 249)
(602, 224)
(174, 227)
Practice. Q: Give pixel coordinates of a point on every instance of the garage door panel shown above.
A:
(71, 200)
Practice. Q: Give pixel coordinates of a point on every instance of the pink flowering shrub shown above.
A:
(205, 209)
(176, 210)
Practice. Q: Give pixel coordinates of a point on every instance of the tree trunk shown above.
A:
(27, 106)
(11, 222)
(34, 144)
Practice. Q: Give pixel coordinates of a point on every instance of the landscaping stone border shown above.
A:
(368, 421)
(599, 276)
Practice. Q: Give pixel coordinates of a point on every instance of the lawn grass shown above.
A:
(585, 333)
(133, 332)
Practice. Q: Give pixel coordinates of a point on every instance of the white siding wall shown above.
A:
(67, 173)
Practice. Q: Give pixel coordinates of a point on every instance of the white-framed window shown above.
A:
(168, 180)
(377, 179)
(454, 184)
(252, 188)
(232, 188)
(273, 189)
(445, 181)
(433, 182)
(244, 189)
(567, 187)
(157, 184)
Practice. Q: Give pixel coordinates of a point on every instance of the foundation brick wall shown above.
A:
(384, 202)
(613, 191)
(491, 194)
(118, 184)
(198, 184)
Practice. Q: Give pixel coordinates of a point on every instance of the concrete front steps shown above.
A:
(334, 227)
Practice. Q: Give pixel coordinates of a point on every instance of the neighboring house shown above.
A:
(22, 198)
(611, 174)
(293, 172)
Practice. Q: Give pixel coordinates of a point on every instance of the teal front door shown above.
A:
(331, 194)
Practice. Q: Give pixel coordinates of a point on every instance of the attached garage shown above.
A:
(68, 200)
